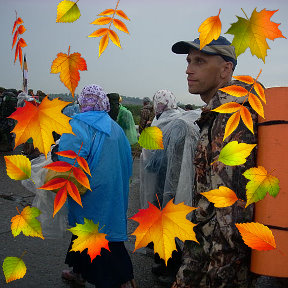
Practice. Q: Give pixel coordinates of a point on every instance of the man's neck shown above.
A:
(210, 94)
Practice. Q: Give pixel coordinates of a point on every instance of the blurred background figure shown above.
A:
(188, 107)
(146, 114)
(126, 121)
(114, 105)
(8, 105)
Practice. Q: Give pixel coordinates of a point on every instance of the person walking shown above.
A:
(108, 154)
(166, 174)
(146, 114)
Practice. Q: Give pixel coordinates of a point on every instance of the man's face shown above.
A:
(203, 72)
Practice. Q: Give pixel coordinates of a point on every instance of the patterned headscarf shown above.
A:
(93, 98)
(164, 100)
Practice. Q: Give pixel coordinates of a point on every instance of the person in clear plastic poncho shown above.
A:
(169, 173)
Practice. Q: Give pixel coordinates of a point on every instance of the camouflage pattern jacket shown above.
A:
(222, 259)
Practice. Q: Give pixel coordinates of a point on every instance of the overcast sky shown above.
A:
(145, 63)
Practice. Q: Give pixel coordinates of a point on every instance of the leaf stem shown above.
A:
(18, 210)
(101, 228)
(32, 180)
(245, 14)
(272, 171)
(252, 86)
(23, 254)
(219, 12)
(69, 50)
(113, 14)
(214, 162)
(158, 201)
(75, 159)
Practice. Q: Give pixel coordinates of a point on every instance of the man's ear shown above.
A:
(227, 70)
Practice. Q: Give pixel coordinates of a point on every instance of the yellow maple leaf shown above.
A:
(222, 197)
(18, 167)
(253, 32)
(210, 29)
(39, 122)
(26, 223)
(68, 65)
(14, 268)
(260, 183)
(235, 153)
(162, 226)
(89, 237)
(151, 138)
(67, 11)
(257, 236)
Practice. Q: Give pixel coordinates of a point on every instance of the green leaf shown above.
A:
(235, 153)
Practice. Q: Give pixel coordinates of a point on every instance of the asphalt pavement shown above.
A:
(44, 259)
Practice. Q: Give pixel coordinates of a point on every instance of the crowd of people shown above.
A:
(192, 140)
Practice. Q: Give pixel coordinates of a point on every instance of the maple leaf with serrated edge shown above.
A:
(14, 268)
(235, 153)
(26, 223)
(67, 11)
(39, 123)
(68, 66)
(90, 238)
(260, 183)
(221, 197)
(253, 32)
(209, 30)
(257, 236)
(162, 226)
(18, 167)
(151, 138)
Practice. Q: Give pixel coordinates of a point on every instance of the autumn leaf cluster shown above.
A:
(19, 30)
(107, 33)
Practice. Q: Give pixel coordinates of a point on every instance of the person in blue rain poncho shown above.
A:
(108, 154)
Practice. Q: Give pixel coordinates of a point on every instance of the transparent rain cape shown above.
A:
(169, 173)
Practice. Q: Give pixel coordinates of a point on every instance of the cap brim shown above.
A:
(183, 47)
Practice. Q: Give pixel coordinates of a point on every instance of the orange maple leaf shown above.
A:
(39, 122)
(162, 226)
(257, 236)
(68, 66)
(253, 32)
(90, 238)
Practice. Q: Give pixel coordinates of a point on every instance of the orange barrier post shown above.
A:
(273, 154)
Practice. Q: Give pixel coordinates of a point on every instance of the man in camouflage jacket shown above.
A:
(222, 259)
(146, 114)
